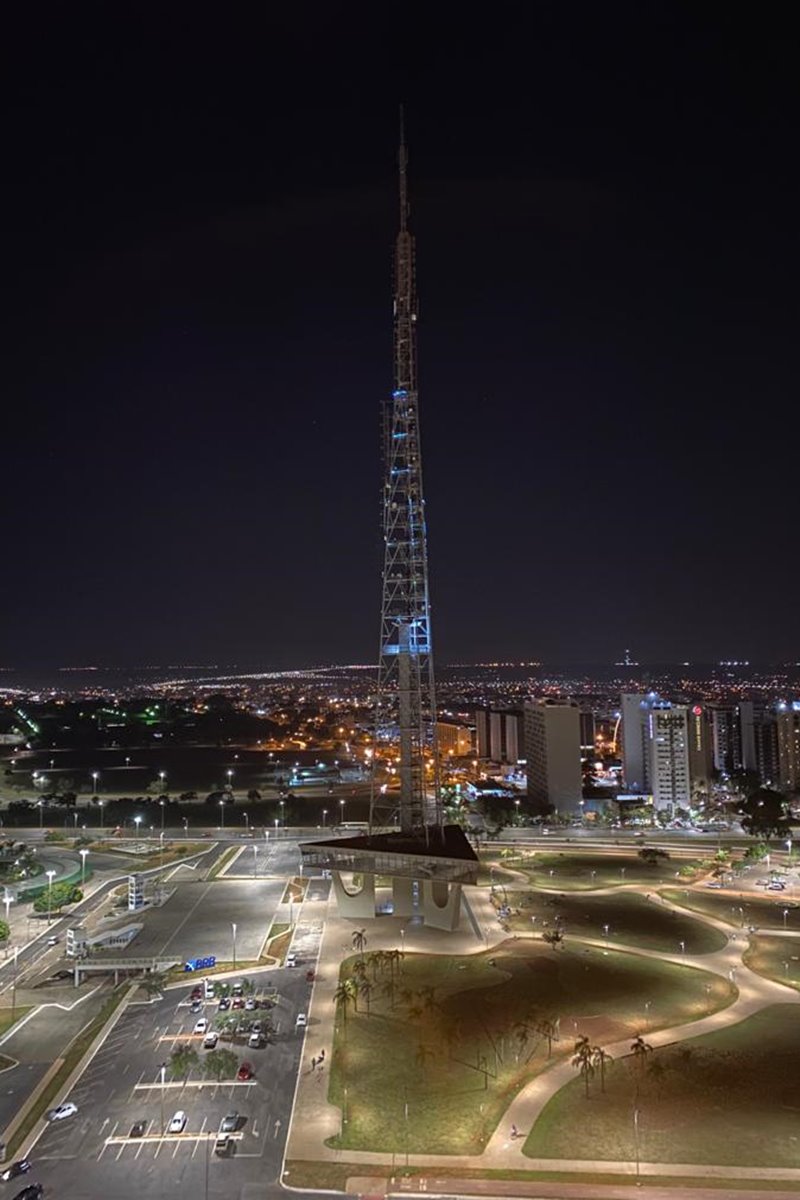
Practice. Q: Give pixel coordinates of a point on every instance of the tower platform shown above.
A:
(438, 864)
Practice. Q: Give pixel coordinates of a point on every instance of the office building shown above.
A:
(635, 708)
(701, 747)
(455, 741)
(733, 737)
(499, 734)
(553, 753)
(669, 756)
(788, 734)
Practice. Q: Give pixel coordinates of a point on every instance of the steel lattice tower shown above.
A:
(406, 695)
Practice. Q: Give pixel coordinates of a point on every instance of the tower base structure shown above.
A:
(426, 872)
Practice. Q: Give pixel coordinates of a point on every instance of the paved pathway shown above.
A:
(315, 1119)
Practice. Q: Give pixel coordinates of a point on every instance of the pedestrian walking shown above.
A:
(313, 1064)
(513, 1131)
(321, 1055)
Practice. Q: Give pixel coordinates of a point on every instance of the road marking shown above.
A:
(277, 1127)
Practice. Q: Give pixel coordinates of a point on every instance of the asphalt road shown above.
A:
(73, 1158)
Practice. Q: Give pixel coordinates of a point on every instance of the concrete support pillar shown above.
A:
(403, 897)
(441, 904)
(355, 904)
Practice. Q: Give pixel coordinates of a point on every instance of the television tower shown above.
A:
(405, 705)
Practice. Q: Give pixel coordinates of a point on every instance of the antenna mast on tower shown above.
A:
(405, 705)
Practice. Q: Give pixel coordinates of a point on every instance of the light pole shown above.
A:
(14, 988)
(161, 848)
(83, 854)
(636, 1143)
(185, 826)
(233, 927)
(222, 814)
(785, 916)
(605, 931)
(95, 777)
(162, 775)
(324, 817)
(277, 823)
(162, 806)
(100, 806)
(255, 861)
(40, 806)
(7, 901)
(137, 822)
(516, 805)
(49, 875)
(683, 947)
(341, 812)
(246, 822)
(163, 1077)
(229, 773)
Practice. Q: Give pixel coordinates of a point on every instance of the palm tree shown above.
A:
(181, 1061)
(359, 940)
(640, 1050)
(522, 1037)
(366, 989)
(582, 1061)
(599, 1059)
(388, 989)
(154, 983)
(428, 997)
(343, 996)
(547, 1028)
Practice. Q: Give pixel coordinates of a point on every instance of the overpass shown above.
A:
(147, 966)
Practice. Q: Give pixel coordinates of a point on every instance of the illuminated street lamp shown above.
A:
(83, 854)
(137, 820)
(162, 775)
(785, 916)
(324, 817)
(185, 826)
(95, 777)
(229, 773)
(341, 812)
(246, 822)
(100, 806)
(233, 928)
(162, 806)
(40, 806)
(49, 875)
(222, 814)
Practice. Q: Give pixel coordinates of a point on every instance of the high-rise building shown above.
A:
(701, 746)
(669, 756)
(455, 741)
(788, 730)
(765, 733)
(733, 737)
(500, 734)
(553, 753)
(635, 708)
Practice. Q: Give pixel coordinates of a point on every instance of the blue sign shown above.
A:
(197, 964)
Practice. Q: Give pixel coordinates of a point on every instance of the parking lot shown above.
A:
(92, 1153)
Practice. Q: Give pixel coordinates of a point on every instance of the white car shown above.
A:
(210, 1040)
(61, 1111)
(178, 1123)
(291, 959)
(301, 1022)
(201, 1026)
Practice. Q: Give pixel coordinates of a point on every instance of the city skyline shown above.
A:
(201, 334)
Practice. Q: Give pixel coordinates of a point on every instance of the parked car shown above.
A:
(20, 1167)
(291, 959)
(178, 1122)
(245, 1072)
(238, 1002)
(32, 1192)
(210, 1040)
(254, 1041)
(137, 1129)
(302, 1021)
(250, 1003)
(201, 1026)
(62, 1111)
(196, 1006)
(224, 1004)
(229, 1122)
(223, 1145)
(54, 940)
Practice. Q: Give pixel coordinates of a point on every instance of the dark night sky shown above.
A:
(198, 269)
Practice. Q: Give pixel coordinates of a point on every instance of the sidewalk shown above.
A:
(315, 1120)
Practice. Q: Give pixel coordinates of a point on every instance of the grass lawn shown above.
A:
(632, 920)
(5, 1017)
(739, 908)
(776, 958)
(728, 1098)
(570, 870)
(435, 1073)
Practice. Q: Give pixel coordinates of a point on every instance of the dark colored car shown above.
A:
(224, 1004)
(245, 1072)
(20, 1167)
(32, 1192)
(137, 1129)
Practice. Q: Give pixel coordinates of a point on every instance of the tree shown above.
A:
(652, 855)
(359, 940)
(254, 795)
(227, 1023)
(765, 814)
(221, 1064)
(154, 983)
(640, 1050)
(182, 1060)
(553, 937)
(599, 1059)
(53, 898)
(756, 853)
(365, 989)
(548, 1029)
(345, 994)
(583, 1061)
(4, 931)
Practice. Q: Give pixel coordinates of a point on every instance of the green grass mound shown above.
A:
(632, 920)
(448, 1042)
(726, 1099)
(738, 908)
(776, 958)
(573, 870)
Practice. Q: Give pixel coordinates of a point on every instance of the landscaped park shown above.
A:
(562, 1022)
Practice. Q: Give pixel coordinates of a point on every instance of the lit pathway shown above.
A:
(315, 1120)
